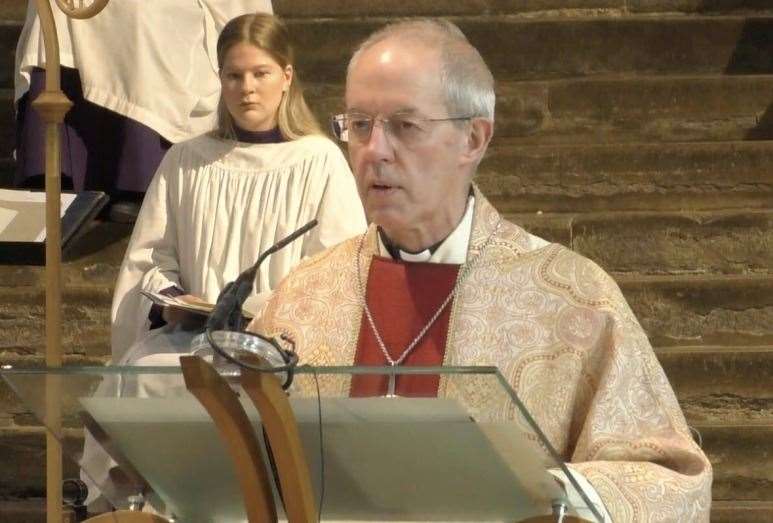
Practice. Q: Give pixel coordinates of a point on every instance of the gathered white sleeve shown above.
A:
(340, 213)
(151, 260)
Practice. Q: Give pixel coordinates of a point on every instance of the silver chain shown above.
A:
(465, 271)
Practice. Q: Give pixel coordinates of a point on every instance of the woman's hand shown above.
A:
(187, 319)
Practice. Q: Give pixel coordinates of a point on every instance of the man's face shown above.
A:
(414, 189)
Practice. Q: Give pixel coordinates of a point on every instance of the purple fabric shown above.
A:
(270, 136)
(101, 150)
(156, 315)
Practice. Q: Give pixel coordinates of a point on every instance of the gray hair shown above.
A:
(467, 82)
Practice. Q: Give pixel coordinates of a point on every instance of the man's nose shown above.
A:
(379, 145)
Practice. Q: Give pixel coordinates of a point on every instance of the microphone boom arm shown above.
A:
(227, 314)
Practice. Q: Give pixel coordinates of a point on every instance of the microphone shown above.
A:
(227, 313)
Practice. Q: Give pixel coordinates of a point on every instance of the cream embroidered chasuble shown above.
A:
(560, 331)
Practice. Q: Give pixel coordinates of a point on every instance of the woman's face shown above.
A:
(252, 86)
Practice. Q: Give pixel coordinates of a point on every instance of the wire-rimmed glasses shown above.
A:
(403, 128)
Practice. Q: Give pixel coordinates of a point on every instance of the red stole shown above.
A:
(402, 297)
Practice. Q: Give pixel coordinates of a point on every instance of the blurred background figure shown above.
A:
(140, 79)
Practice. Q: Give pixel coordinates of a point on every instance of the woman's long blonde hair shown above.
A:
(268, 33)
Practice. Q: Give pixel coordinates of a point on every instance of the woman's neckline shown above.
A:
(255, 137)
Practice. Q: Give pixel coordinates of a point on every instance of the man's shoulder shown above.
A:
(334, 260)
(556, 266)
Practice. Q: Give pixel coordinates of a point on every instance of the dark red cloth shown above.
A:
(403, 296)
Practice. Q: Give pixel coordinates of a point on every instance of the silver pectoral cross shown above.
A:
(392, 378)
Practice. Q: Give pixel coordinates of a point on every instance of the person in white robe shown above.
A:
(131, 63)
(216, 203)
(144, 73)
(219, 200)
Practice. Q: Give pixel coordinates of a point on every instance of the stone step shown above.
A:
(23, 451)
(679, 311)
(13, 10)
(617, 109)
(742, 457)
(547, 48)
(714, 384)
(24, 510)
(643, 176)
(87, 281)
(698, 243)
(16, 9)
(561, 48)
(741, 511)
(567, 8)
(85, 320)
(724, 242)
(699, 6)
(636, 109)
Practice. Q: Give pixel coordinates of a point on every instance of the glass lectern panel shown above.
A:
(453, 443)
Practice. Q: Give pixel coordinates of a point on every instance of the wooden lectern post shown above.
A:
(223, 406)
(278, 420)
(52, 105)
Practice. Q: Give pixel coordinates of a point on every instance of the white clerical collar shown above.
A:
(452, 250)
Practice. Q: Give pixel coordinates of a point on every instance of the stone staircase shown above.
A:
(638, 132)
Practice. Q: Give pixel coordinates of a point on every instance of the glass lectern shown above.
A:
(470, 452)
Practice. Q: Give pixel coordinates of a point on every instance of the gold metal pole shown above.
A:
(52, 105)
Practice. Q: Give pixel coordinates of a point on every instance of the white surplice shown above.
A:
(153, 62)
(215, 205)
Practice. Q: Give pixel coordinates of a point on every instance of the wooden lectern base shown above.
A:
(127, 516)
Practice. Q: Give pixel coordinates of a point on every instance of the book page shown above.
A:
(178, 302)
(23, 215)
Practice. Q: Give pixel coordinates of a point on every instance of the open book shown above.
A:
(180, 302)
(23, 223)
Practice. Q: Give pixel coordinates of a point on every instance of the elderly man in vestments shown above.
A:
(441, 279)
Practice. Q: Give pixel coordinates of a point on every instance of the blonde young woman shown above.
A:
(220, 199)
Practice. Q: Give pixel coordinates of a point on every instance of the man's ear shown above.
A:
(479, 135)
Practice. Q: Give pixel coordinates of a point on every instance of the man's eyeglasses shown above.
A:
(406, 129)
